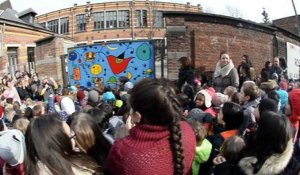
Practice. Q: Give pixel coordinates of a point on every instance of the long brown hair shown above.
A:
(89, 137)
(156, 101)
(47, 142)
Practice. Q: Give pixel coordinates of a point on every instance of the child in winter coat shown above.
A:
(203, 148)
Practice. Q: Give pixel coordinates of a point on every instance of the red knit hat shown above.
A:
(80, 95)
(283, 85)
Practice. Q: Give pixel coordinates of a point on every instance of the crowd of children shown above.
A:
(153, 127)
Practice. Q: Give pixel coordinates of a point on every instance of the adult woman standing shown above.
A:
(159, 143)
(225, 74)
(186, 72)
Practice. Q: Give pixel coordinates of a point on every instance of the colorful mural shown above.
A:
(134, 60)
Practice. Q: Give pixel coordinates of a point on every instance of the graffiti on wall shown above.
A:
(134, 60)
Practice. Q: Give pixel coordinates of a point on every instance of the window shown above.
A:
(64, 25)
(81, 23)
(141, 16)
(123, 19)
(30, 59)
(158, 20)
(53, 25)
(81, 44)
(12, 54)
(43, 24)
(98, 20)
(111, 19)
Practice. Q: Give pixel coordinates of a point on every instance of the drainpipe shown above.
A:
(131, 20)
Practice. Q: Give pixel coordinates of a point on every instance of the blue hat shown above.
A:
(73, 88)
(108, 96)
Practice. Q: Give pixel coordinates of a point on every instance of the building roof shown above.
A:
(227, 20)
(285, 18)
(25, 12)
(5, 5)
(11, 15)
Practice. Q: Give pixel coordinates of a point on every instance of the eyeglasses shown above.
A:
(72, 135)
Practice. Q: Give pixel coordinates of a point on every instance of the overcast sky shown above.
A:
(246, 9)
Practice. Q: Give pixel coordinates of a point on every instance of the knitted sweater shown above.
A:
(147, 150)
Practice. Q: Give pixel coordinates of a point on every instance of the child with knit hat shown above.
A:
(203, 100)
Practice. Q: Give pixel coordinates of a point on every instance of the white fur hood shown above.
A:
(275, 164)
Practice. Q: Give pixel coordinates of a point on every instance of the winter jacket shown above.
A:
(273, 165)
(202, 154)
(225, 76)
(186, 75)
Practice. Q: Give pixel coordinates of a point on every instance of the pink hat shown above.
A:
(283, 85)
(211, 91)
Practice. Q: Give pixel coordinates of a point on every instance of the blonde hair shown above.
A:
(21, 124)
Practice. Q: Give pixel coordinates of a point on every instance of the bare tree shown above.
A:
(233, 12)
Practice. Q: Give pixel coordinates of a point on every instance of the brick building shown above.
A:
(204, 36)
(112, 21)
(288, 23)
(18, 33)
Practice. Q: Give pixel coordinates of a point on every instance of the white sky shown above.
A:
(246, 9)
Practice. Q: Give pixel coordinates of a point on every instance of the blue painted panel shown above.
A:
(134, 60)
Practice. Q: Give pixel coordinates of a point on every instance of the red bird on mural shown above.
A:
(118, 64)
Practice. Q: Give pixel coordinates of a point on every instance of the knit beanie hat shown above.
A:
(67, 105)
(73, 88)
(220, 99)
(108, 96)
(93, 96)
(283, 85)
(199, 115)
(12, 147)
(118, 103)
(128, 86)
(80, 95)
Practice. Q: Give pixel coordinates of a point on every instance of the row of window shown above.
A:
(105, 20)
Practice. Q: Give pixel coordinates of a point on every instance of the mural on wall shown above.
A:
(134, 60)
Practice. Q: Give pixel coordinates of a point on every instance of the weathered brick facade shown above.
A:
(92, 35)
(288, 23)
(20, 37)
(205, 36)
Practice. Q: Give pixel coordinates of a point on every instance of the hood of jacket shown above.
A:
(275, 164)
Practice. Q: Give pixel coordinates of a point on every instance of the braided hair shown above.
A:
(156, 101)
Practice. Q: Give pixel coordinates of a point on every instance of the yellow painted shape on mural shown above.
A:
(111, 48)
(129, 75)
(96, 69)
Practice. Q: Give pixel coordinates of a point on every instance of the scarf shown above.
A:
(223, 71)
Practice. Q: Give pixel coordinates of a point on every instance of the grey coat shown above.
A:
(231, 79)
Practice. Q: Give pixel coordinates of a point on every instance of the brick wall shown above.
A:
(91, 35)
(289, 23)
(207, 35)
(48, 60)
(21, 38)
(211, 39)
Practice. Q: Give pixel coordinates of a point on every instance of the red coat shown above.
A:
(294, 98)
(147, 151)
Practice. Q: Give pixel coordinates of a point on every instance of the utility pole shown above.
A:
(297, 19)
